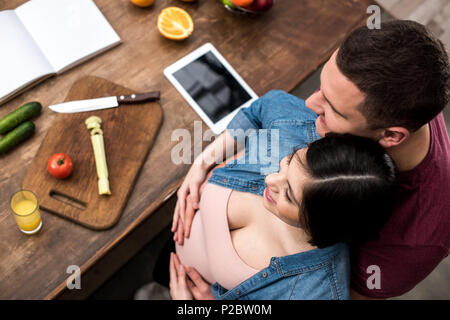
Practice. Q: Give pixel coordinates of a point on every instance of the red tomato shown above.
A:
(60, 165)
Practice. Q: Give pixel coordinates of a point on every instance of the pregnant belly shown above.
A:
(193, 252)
(209, 248)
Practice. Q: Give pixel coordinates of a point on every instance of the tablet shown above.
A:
(211, 86)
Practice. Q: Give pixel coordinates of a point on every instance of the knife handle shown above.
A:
(138, 97)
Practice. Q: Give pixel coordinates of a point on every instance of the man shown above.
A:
(390, 85)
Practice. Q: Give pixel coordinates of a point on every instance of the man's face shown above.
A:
(336, 103)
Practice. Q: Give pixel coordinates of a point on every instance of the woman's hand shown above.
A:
(179, 289)
(184, 288)
(200, 289)
(190, 191)
(188, 201)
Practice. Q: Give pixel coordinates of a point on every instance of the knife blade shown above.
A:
(103, 103)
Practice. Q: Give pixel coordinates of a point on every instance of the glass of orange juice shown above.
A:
(25, 206)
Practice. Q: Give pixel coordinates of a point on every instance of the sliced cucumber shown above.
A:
(16, 136)
(20, 115)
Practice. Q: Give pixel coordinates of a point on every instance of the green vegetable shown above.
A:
(20, 115)
(16, 136)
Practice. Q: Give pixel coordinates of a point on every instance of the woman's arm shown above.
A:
(223, 146)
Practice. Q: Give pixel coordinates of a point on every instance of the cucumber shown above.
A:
(16, 136)
(21, 114)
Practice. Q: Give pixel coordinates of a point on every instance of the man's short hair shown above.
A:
(402, 69)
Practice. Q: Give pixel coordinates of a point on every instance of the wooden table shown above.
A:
(274, 51)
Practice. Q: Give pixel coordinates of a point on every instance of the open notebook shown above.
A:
(42, 38)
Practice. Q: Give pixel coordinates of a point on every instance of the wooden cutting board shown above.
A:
(128, 132)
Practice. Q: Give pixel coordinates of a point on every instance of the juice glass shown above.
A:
(25, 207)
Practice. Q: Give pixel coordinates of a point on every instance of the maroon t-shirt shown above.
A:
(417, 236)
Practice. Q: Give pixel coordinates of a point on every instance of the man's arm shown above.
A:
(356, 296)
(394, 279)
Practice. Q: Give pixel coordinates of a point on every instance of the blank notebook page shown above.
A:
(67, 31)
(21, 61)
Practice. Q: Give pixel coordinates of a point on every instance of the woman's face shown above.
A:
(283, 194)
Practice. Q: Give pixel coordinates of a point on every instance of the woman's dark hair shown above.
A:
(352, 190)
(402, 69)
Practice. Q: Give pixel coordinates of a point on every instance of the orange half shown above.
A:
(175, 23)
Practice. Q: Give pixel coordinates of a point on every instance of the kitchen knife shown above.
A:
(103, 103)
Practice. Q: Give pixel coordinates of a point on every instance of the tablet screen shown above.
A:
(212, 86)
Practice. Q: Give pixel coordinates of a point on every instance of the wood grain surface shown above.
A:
(128, 133)
(276, 50)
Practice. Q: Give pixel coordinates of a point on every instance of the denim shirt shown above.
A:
(319, 274)
(274, 125)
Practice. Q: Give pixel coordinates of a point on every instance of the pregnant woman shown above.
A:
(283, 235)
